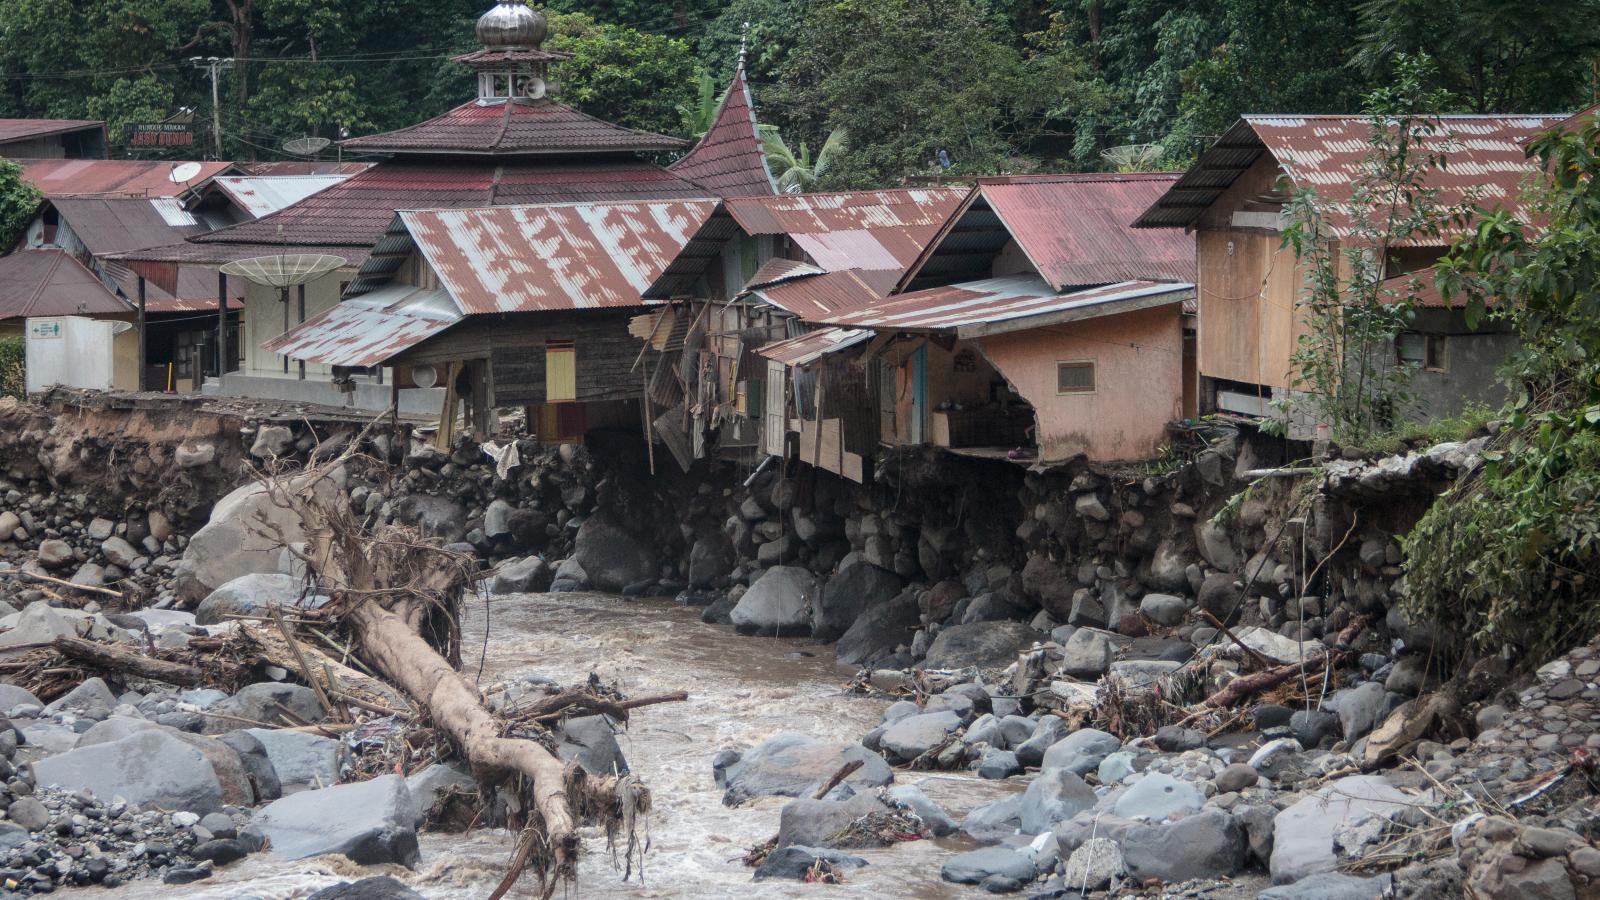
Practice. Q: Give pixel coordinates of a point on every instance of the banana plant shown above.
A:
(698, 119)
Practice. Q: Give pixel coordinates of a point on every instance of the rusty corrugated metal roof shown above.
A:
(52, 283)
(513, 128)
(537, 258)
(1004, 304)
(814, 297)
(876, 225)
(730, 159)
(281, 167)
(369, 330)
(125, 177)
(1486, 163)
(25, 129)
(812, 346)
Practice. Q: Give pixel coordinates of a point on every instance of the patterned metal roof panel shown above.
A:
(816, 297)
(539, 258)
(901, 221)
(729, 159)
(1486, 163)
(368, 330)
(993, 300)
(813, 345)
(513, 128)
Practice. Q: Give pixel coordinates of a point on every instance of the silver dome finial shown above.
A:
(512, 25)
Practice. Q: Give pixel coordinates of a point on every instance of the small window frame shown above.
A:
(1092, 366)
(1435, 353)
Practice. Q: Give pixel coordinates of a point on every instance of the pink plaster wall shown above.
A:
(1139, 382)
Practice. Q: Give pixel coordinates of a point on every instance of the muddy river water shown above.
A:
(742, 691)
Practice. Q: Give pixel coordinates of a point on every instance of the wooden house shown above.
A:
(52, 139)
(1250, 320)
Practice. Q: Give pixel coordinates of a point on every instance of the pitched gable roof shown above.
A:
(729, 159)
(1075, 230)
(1486, 162)
(127, 177)
(52, 283)
(24, 129)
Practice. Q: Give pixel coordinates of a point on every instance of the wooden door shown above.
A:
(774, 427)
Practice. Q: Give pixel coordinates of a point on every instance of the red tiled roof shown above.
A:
(487, 57)
(23, 129)
(514, 128)
(127, 177)
(729, 159)
(1486, 163)
(52, 283)
(356, 212)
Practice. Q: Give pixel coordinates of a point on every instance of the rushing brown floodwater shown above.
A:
(742, 691)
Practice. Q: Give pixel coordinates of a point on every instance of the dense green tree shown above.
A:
(622, 75)
(774, 25)
(129, 100)
(1497, 56)
(19, 200)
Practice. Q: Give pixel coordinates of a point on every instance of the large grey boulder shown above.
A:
(611, 555)
(1055, 796)
(1360, 708)
(12, 696)
(779, 603)
(39, 623)
(1086, 654)
(437, 517)
(994, 821)
(978, 644)
(592, 743)
(433, 784)
(87, 697)
(255, 595)
(258, 768)
(260, 703)
(912, 736)
(157, 767)
(1207, 844)
(235, 542)
(814, 823)
(795, 862)
(530, 575)
(1302, 834)
(878, 631)
(974, 866)
(787, 764)
(711, 558)
(300, 760)
(911, 798)
(115, 728)
(1081, 751)
(1330, 886)
(378, 887)
(370, 822)
(848, 594)
(1157, 796)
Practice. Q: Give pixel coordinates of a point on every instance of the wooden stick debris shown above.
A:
(845, 771)
(87, 588)
(114, 659)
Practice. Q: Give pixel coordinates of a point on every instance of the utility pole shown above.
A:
(217, 66)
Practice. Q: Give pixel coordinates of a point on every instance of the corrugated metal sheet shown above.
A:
(901, 222)
(125, 177)
(294, 167)
(1486, 162)
(356, 212)
(515, 128)
(110, 227)
(52, 283)
(1078, 229)
(23, 129)
(994, 300)
(815, 297)
(369, 330)
(812, 346)
(779, 269)
(188, 304)
(264, 195)
(538, 258)
(729, 159)
(1423, 288)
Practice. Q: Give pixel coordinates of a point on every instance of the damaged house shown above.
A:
(1233, 200)
(1036, 325)
(728, 297)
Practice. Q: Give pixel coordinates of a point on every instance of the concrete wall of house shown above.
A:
(263, 321)
(1471, 359)
(1138, 360)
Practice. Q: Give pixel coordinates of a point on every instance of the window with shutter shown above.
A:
(1075, 377)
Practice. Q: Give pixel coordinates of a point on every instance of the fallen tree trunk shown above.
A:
(114, 659)
(1249, 685)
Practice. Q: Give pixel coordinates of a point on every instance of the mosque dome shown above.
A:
(512, 25)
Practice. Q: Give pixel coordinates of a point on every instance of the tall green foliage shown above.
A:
(1347, 374)
(1510, 557)
(19, 200)
(624, 75)
(13, 368)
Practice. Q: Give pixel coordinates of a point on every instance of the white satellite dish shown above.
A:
(283, 271)
(306, 146)
(424, 376)
(183, 173)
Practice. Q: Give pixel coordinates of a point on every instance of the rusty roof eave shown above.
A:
(1065, 316)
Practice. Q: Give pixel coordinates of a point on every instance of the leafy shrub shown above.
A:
(13, 368)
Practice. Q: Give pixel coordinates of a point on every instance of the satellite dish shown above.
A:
(183, 173)
(306, 146)
(424, 376)
(283, 271)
